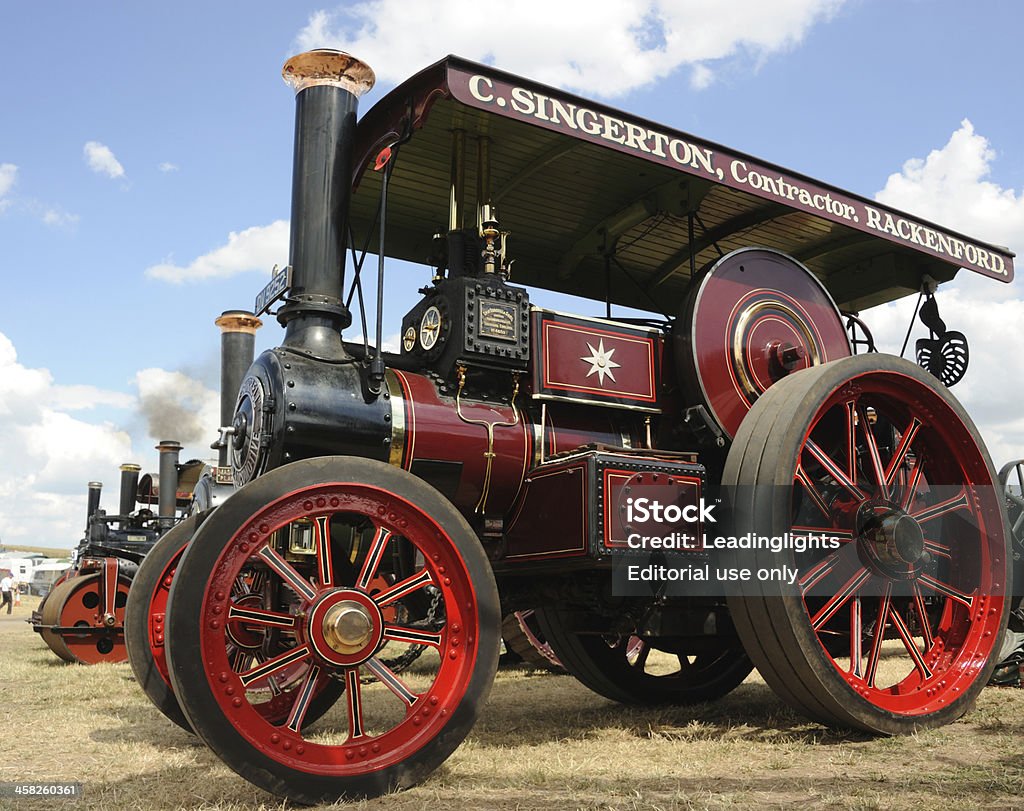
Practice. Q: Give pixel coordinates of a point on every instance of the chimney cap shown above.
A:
(325, 66)
(238, 321)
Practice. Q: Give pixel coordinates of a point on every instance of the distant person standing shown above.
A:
(7, 590)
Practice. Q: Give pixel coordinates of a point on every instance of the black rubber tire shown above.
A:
(773, 623)
(608, 671)
(185, 612)
(137, 618)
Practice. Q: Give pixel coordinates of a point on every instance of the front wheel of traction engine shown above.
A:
(331, 539)
(892, 628)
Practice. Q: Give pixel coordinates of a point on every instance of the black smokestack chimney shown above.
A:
(129, 489)
(168, 487)
(237, 348)
(93, 503)
(327, 87)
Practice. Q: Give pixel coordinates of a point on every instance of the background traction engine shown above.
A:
(408, 501)
(81, 619)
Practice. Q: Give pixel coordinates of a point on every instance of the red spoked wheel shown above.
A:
(894, 628)
(323, 533)
(145, 636)
(81, 625)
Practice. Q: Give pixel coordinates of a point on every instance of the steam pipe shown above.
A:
(93, 503)
(129, 489)
(327, 87)
(237, 348)
(168, 486)
(458, 180)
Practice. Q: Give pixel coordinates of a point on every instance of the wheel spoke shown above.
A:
(261, 617)
(239, 587)
(403, 588)
(946, 590)
(901, 450)
(838, 600)
(275, 688)
(939, 549)
(295, 581)
(804, 531)
(302, 702)
(324, 562)
(908, 643)
(373, 557)
(876, 459)
(834, 470)
(818, 572)
(811, 489)
(390, 680)
(240, 660)
(355, 704)
(913, 484)
(922, 616)
(277, 663)
(415, 636)
(957, 502)
(876, 644)
(856, 636)
(851, 439)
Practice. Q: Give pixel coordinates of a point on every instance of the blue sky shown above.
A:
(143, 136)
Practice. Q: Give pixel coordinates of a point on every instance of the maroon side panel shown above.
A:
(556, 500)
(600, 362)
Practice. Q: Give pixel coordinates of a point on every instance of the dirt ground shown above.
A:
(543, 742)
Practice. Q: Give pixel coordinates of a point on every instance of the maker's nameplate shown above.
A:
(499, 321)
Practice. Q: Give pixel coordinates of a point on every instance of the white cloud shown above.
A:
(167, 166)
(8, 174)
(59, 218)
(101, 160)
(604, 49)
(255, 249)
(48, 454)
(50, 448)
(952, 187)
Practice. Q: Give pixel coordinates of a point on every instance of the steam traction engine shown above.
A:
(82, 618)
(407, 501)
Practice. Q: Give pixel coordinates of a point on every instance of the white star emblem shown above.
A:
(601, 362)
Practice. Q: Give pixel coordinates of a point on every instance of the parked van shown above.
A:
(20, 567)
(44, 576)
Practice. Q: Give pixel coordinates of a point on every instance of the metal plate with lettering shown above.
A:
(499, 321)
(277, 288)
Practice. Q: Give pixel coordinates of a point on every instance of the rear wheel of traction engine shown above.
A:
(145, 632)
(78, 601)
(620, 667)
(322, 532)
(894, 629)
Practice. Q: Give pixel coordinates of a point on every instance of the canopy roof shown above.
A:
(574, 180)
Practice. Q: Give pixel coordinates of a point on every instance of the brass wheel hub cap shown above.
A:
(347, 627)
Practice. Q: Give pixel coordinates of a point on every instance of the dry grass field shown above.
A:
(544, 742)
